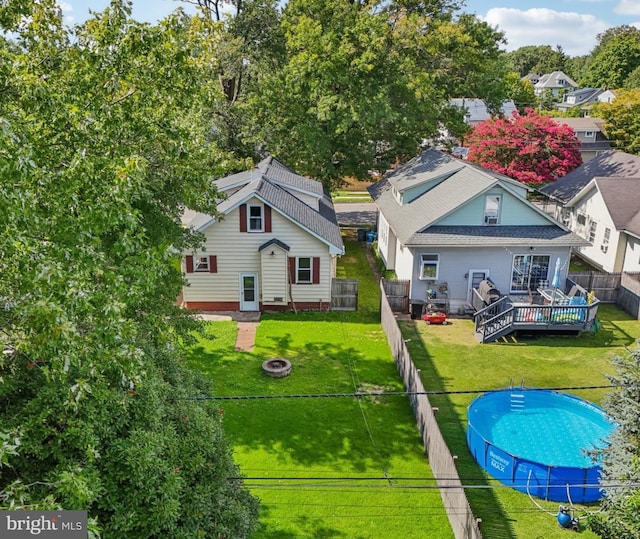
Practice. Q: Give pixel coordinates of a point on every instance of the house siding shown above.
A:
(513, 211)
(455, 265)
(238, 253)
(632, 255)
(386, 243)
(594, 209)
(404, 262)
(274, 276)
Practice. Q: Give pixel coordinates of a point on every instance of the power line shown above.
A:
(362, 394)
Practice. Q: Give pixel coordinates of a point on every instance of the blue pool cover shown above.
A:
(537, 441)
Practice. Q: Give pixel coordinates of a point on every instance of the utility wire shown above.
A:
(360, 394)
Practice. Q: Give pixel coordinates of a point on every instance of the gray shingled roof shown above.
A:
(606, 165)
(270, 181)
(622, 197)
(455, 182)
(492, 236)
(274, 170)
(280, 199)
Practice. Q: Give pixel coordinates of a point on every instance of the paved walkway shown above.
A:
(247, 326)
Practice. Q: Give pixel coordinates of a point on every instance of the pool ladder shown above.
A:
(517, 402)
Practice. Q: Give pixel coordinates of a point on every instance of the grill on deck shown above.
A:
(488, 292)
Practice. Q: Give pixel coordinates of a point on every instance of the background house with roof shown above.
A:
(584, 98)
(589, 133)
(476, 110)
(599, 202)
(449, 224)
(274, 244)
(553, 83)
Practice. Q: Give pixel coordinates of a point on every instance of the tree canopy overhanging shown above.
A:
(103, 142)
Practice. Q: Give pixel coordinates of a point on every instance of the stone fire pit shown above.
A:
(277, 367)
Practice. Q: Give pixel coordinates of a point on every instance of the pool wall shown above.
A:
(555, 483)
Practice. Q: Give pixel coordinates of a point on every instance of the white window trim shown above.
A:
(489, 218)
(606, 237)
(201, 263)
(310, 270)
(431, 263)
(593, 230)
(249, 218)
(513, 261)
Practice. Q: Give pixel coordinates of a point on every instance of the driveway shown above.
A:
(356, 214)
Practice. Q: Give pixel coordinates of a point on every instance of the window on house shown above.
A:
(201, 263)
(565, 215)
(303, 270)
(581, 218)
(491, 209)
(255, 219)
(589, 134)
(528, 272)
(605, 240)
(429, 268)
(592, 231)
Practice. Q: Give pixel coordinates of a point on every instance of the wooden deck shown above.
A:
(530, 314)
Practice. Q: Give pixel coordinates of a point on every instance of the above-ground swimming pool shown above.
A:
(535, 440)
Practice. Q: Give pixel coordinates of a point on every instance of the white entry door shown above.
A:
(475, 276)
(249, 292)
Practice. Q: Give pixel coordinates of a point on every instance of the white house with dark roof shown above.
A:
(553, 83)
(600, 201)
(446, 224)
(273, 246)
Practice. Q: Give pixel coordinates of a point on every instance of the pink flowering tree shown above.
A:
(527, 147)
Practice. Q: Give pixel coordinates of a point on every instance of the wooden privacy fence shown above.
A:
(464, 524)
(629, 294)
(604, 285)
(344, 295)
(397, 293)
(623, 289)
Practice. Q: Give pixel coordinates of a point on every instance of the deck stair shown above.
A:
(507, 316)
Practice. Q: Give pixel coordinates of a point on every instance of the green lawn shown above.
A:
(450, 359)
(326, 466)
(318, 464)
(351, 196)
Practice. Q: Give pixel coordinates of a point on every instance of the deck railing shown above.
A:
(504, 317)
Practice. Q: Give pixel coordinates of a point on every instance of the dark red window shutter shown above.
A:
(243, 217)
(189, 260)
(267, 218)
(292, 270)
(316, 270)
(213, 264)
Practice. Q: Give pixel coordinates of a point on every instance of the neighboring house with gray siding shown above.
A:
(584, 98)
(444, 220)
(600, 202)
(588, 131)
(274, 245)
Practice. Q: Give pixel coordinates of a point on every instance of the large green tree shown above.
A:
(104, 140)
(365, 82)
(247, 38)
(614, 59)
(619, 517)
(536, 59)
(622, 120)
